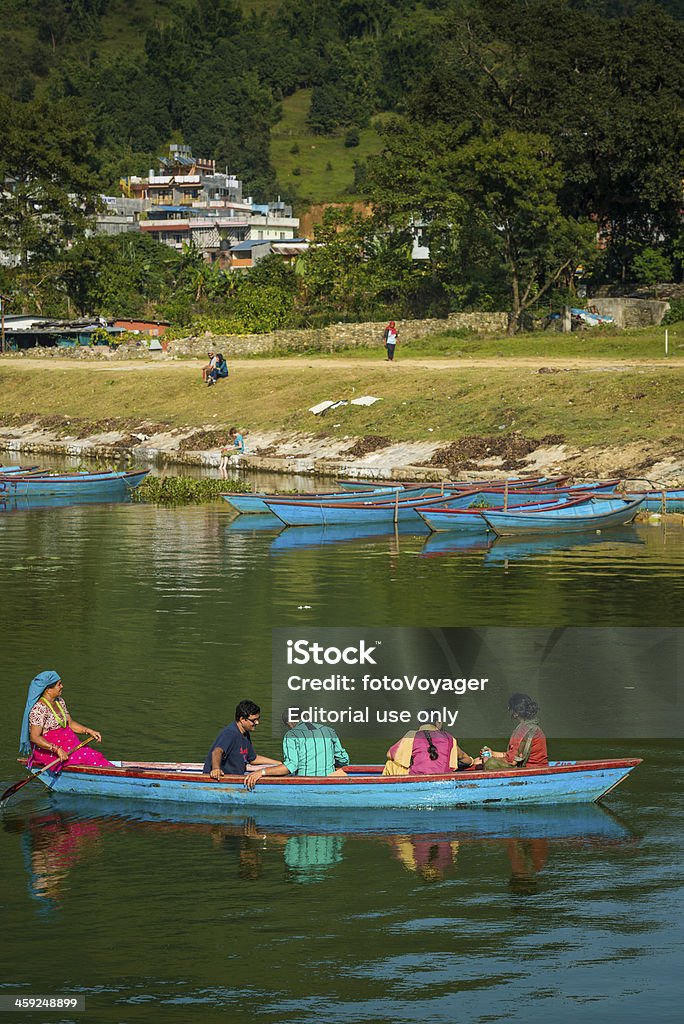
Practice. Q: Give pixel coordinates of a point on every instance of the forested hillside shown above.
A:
(514, 132)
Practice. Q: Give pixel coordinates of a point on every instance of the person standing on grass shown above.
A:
(391, 339)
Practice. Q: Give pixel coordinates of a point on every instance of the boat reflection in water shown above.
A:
(451, 542)
(24, 504)
(255, 524)
(298, 537)
(52, 844)
(510, 549)
(74, 833)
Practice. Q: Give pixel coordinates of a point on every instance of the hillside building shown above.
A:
(189, 202)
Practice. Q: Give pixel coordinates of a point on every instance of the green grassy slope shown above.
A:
(316, 182)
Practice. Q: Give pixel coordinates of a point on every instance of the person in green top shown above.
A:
(307, 750)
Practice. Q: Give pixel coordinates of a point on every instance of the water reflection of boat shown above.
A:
(317, 536)
(255, 524)
(584, 823)
(23, 504)
(313, 843)
(456, 543)
(513, 548)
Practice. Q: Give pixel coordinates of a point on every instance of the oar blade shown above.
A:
(13, 789)
(24, 782)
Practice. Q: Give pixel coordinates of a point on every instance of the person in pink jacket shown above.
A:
(428, 750)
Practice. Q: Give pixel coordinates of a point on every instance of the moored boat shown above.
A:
(447, 515)
(110, 483)
(363, 786)
(255, 504)
(668, 500)
(518, 482)
(571, 516)
(394, 509)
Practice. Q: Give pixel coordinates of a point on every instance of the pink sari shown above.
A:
(67, 739)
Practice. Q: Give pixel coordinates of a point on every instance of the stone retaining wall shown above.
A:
(336, 336)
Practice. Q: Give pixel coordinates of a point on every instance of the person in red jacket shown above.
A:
(527, 745)
(390, 339)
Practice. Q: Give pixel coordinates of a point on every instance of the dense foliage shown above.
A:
(520, 134)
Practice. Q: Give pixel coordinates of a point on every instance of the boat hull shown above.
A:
(104, 484)
(573, 519)
(364, 786)
(659, 501)
(255, 504)
(302, 513)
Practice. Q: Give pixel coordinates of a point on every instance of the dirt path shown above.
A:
(589, 365)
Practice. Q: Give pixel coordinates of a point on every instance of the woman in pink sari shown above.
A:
(49, 733)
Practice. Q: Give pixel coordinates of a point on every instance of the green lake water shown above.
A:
(159, 620)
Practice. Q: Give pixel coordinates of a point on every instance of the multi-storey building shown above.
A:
(189, 202)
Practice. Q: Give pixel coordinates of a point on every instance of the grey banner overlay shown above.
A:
(22, 1003)
(589, 682)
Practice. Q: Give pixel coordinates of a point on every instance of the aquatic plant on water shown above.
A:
(183, 490)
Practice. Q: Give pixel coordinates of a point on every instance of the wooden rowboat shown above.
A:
(255, 504)
(364, 786)
(659, 501)
(107, 484)
(571, 516)
(379, 510)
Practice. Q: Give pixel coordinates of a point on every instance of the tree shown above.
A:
(651, 267)
(358, 268)
(513, 182)
(49, 189)
(127, 274)
(497, 193)
(606, 89)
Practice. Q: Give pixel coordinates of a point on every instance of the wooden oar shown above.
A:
(34, 775)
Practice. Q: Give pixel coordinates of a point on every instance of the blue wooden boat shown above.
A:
(671, 500)
(364, 786)
(448, 516)
(109, 484)
(255, 504)
(520, 483)
(378, 510)
(572, 516)
(9, 470)
(262, 522)
(498, 497)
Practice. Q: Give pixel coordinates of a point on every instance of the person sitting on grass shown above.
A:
(218, 371)
(206, 370)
